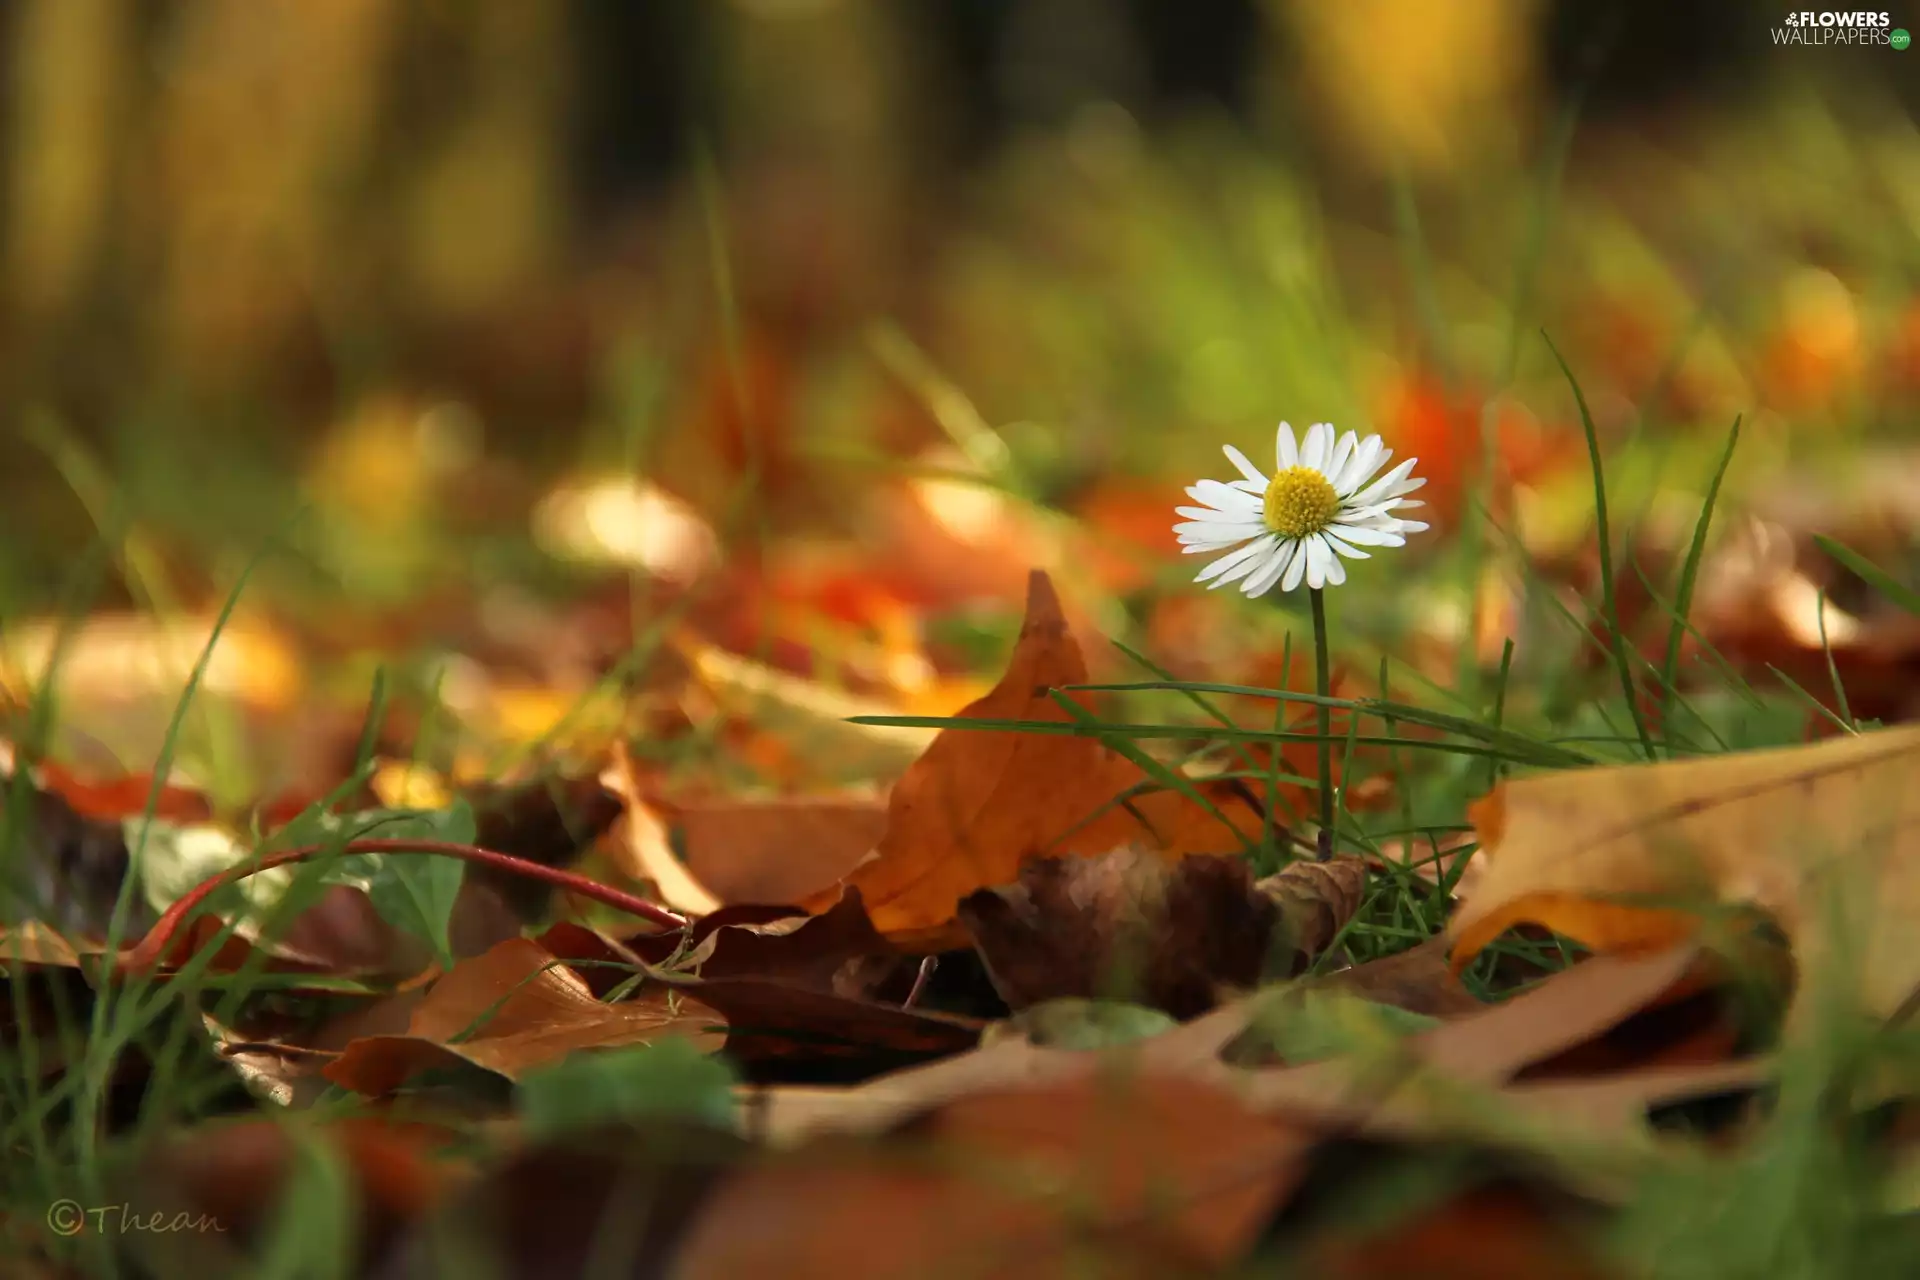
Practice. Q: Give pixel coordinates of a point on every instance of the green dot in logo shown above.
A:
(1899, 38)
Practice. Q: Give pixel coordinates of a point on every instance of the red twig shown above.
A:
(153, 948)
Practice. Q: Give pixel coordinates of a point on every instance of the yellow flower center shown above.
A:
(1300, 501)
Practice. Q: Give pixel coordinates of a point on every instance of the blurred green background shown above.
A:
(402, 265)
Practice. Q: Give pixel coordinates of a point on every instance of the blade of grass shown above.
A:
(1171, 779)
(1609, 606)
(1689, 573)
(1500, 705)
(1526, 750)
(1814, 704)
(1872, 574)
(107, 1033)
(1543, 755)
(1833, 669)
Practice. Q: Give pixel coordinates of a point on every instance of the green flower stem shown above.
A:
(1323, 685)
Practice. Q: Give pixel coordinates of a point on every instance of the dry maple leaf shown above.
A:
(1823, 838)
(979, 803)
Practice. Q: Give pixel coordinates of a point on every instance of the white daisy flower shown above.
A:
(1294, 526)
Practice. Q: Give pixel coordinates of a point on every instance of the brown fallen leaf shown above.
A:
(978, 803)
(508, 1011)
(829, 952)
(1125, 924)
(1418, 980)
(770, 1021)
(1151, 1174)
(1823, 838)
(1315, 902)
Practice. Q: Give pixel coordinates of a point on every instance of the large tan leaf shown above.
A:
(1824, 838)
(979, 803)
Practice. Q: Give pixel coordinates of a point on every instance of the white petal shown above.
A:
(1413, 526)
(1224, 497)
(1335, 571)
(1247, 469)
(1383, 488)
(1284, 452)
(1313, 453)
(1296, 568)
(1231, 566)
(1367, 459)
(1217, 531)
(1317, 557)
(1346, 549)
(1366, 535)
(1258, 584)
(1214, 515)
(1377, 516)
(1342, 451)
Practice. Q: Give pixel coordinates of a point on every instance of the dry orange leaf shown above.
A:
(517, 1008)
(1824, 838)
(978, 803)
(773, 852)
(740, 852)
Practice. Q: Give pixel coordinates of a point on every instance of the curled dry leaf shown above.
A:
(1418, 980)
(1125, 924)
(1315, 901)
(979, 803)
(1823, 838)
(508, 1011)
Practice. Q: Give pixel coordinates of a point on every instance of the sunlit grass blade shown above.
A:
(1170, 779)
(1872, 574)
(1833, 668)
(1603, 535)
(1524, 750)
(1689, 573)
